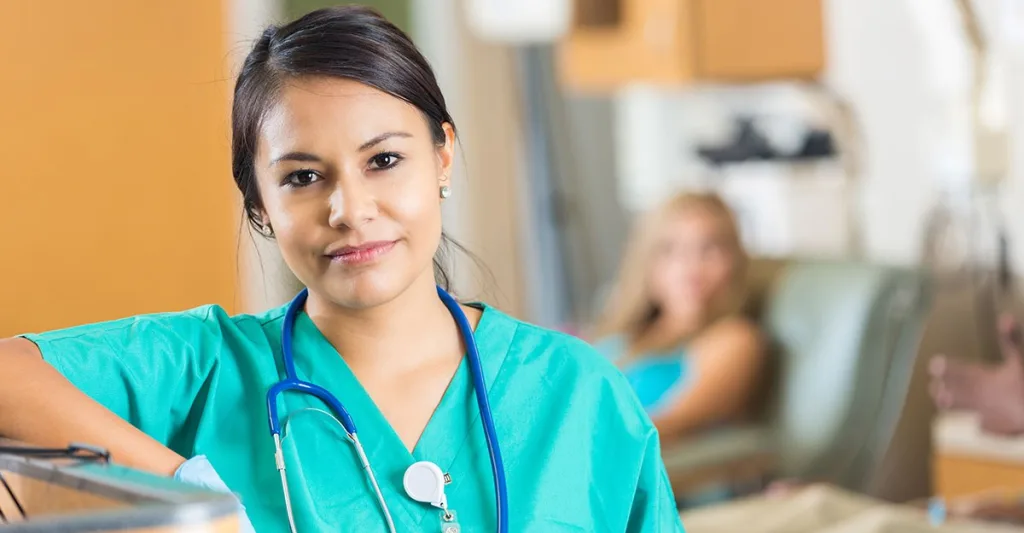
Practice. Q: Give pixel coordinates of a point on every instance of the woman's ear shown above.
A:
(446, 155)
(259, 216)
(261, 219)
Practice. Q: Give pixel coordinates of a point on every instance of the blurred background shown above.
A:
(871, 151)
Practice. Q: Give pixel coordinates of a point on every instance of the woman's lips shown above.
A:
(361, 254)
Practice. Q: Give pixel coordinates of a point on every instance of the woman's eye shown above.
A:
(301, 178)
(384, 160)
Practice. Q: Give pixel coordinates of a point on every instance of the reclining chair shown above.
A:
(846, 338)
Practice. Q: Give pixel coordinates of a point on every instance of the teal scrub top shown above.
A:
(658, 379)
(580, 453)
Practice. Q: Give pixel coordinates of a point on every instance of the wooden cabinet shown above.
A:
(616, 42)
(116, 197)
(968, 462)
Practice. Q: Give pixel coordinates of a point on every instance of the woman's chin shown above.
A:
(683, 313)
(365, 291)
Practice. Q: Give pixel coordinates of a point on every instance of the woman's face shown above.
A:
(349, 177)
(693, 263)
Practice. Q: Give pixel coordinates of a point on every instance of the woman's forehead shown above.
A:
(312, 109)
(693, 220)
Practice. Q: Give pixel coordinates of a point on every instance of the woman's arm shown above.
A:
(727, 361)
(39, 406)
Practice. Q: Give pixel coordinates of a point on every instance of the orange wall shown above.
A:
(115, 187)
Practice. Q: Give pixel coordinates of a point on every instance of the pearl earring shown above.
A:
(446, 191)
(266, 230)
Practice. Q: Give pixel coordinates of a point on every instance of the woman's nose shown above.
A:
(352, 204)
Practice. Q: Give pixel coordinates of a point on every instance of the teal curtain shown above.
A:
(397, 11)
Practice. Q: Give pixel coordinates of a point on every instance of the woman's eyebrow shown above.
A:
(381, 138)
(302, 157)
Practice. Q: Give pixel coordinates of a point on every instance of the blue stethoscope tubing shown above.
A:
(291, 382)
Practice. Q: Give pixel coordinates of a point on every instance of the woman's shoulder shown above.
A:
(734, 333)
(216, 322)
(199, 321)
(565, 362)
(531, 342)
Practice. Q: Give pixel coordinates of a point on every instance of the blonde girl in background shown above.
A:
(672, 322)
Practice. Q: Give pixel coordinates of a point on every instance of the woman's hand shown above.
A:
(198, 471)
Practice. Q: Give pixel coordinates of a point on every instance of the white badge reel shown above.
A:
(424, 482)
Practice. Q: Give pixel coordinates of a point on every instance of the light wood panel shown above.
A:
(758, 39)
(652, 43)
(962, 476)
(115, 188)
(677, 42)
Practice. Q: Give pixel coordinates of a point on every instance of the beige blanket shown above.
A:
(822, 509)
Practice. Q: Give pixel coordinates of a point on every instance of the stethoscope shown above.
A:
(423, 481)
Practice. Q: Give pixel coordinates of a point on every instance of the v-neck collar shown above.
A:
(447, 431)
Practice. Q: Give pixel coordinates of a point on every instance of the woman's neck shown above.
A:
(413, 329)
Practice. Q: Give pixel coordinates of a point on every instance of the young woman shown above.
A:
(672, 321)
(343, 149)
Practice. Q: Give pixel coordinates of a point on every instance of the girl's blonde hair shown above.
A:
(629, 310)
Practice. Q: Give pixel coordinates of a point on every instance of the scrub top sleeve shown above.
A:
(654, 507)
(147, 369)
